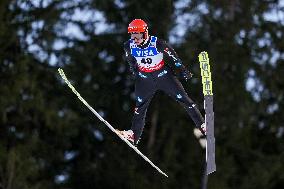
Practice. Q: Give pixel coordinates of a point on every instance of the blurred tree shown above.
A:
(50, 140)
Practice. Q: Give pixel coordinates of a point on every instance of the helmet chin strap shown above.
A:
(145, 40)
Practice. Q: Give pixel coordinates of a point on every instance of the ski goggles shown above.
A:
(136, 36)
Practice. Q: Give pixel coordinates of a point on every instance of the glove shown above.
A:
(178, 63)
(186, 75)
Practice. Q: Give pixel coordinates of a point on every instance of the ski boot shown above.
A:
(129, 135)
(200, 134)
(203, 129)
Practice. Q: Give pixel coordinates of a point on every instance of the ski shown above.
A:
(209, 113)
(61, 72)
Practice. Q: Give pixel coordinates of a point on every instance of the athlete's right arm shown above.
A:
(130, 59)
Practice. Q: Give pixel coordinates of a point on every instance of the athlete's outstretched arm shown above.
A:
(176, 63)
(130, 59)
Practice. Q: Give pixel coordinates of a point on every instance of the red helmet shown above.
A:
(137, 25)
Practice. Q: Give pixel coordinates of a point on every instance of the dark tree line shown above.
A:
(48, 139)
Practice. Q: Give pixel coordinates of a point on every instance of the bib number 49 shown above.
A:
(146, 60)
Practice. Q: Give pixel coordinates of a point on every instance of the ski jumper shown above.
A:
(153, 72)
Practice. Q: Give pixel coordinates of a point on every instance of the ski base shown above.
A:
(210, 139)
(209, 113)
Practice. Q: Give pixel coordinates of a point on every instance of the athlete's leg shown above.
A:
(172, 86)
(144, 91)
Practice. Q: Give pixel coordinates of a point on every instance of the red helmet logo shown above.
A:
(137, 25)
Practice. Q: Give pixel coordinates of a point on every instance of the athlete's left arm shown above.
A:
(178, 66)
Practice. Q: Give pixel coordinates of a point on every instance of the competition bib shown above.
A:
(148, 59)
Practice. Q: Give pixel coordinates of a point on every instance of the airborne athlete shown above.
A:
(155, 66)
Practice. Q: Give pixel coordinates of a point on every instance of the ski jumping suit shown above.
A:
(153, 72)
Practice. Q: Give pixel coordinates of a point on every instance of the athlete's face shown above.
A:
(137, 38)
